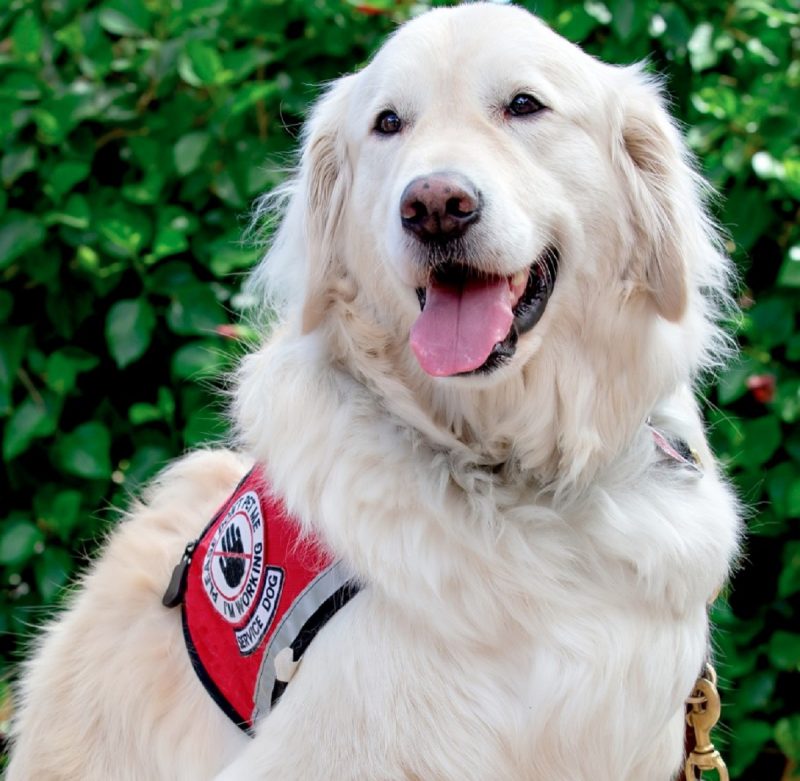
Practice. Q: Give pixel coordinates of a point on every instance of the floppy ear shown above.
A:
(664, 201)
(296, 275)
(325, 179)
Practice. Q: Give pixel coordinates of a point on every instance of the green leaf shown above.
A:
(732, 380)
(32, 419)
(64, 176)
(148, 189)
(12, 345)
(167, 242)
(141, 412)
(766, 166)
(751, 736)
(178, 220)
(17, 162)
(740, 662)
(757, 47)
(789, 275)
(86, 452)
(702, 53)
(188, 151)
(787, 400)
(198, 361)
(789, 580)
(784, 650)
(64, 366)
(145, 463)
(770, 322)
(195, 310)
(623, 18)
(204, 427)
(171, 234)
(760, 438)
(793, 347)
(791, 173)
(200, 65)
(756, 691)
(52, 570)
(21, 85)
(228, 258)
(747, 214)
(783, 487)
(721, 102)
(242, 62)
(19, 540)
(126, 230)
(129, 329)
(230, 187)
(787, 736)
(26, 37)
(250, 94)
(74, 214)
(60, 513)
(677, 29)
(128, 18)
(58, 115)
(19, 233)
(6, 305)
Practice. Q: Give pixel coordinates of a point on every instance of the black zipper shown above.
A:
(173, 596)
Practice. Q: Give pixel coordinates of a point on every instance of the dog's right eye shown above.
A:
(387, 123)
(523, 104)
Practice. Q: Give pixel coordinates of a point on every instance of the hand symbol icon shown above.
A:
(232, 561)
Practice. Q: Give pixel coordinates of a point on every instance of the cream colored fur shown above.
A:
(536, 574)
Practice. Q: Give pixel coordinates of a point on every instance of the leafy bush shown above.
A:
(134, 139)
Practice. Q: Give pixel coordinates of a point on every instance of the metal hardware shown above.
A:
(703, 714)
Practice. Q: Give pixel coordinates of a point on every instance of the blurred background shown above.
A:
(136, 135)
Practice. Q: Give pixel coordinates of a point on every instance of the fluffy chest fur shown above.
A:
(494, 605)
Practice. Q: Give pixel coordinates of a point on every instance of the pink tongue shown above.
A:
(461, 323)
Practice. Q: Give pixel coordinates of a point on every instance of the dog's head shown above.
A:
(506, 212)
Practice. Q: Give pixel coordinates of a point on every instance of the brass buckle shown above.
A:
(703, 714)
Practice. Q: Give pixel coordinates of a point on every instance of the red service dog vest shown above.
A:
(253, 594)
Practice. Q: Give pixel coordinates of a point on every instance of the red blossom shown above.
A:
(370, 10)
(228, 331)
(762, 386)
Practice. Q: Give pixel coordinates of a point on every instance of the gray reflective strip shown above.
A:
(304, 606)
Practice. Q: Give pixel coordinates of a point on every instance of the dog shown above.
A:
(497, 284)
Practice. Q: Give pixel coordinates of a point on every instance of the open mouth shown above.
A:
(470, 321)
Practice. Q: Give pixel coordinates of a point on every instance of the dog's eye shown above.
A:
(523, 104)
(388, 123)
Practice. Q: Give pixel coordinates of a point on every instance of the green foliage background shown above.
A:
(135, 135)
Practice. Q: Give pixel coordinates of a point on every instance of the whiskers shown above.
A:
(546, 266)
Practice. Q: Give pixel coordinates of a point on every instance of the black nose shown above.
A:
(439, 207)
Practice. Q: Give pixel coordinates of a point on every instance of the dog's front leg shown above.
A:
(326, 725)
(374, 699)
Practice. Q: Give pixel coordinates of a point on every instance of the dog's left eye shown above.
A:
(387, 123)
(523, 104)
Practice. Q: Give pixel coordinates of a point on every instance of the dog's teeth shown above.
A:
(518, 278)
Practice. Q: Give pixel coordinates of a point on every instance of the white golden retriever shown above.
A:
(496, 277)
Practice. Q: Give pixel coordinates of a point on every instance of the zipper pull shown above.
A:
(173, 596)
